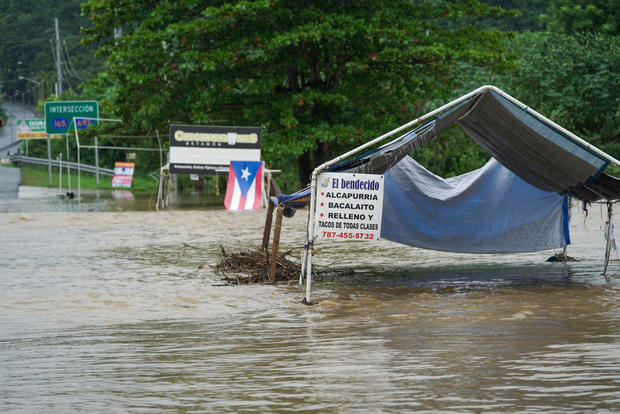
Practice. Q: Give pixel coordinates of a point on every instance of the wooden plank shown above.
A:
(276, 244)
(304, 199)
(267, 230)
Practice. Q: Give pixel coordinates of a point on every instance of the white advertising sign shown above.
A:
(201, 149)
(349, 206)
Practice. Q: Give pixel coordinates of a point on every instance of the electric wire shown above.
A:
(71, 67)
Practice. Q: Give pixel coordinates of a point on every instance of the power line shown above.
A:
(70, 66)
(20, 42)
(60, 65)
(65, 71)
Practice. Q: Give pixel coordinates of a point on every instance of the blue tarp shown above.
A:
(489, 210)
(291, 200)
(517, 202)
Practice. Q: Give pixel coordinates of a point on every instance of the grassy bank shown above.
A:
(38, 177)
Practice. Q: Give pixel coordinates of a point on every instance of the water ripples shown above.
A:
(122, 311)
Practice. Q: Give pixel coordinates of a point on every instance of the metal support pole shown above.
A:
(68, 167)
(79, 173)
(159, 189)
(167, 183)
(97, 162)
(161, 156)
(58, 71)
(304, 260)
(49, 160)
(79, 169)
(60, 173)
(608, 234)
(307, 300)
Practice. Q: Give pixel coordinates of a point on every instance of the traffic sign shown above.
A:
(59, 115)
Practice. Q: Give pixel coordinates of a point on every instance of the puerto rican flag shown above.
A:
(243, 191)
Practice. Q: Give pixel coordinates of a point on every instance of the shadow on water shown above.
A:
(124, 200)
(44, 199)
(457, 278)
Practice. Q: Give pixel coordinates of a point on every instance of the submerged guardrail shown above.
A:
(22, 159)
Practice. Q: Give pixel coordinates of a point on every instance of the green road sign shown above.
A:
(59, 115)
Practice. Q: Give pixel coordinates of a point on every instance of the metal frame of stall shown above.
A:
(306, 268)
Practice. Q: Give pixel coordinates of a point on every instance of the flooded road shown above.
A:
(107, 307)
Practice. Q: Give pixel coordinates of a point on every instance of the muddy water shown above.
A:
(104, 309)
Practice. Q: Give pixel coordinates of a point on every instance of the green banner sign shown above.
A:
(59, 115)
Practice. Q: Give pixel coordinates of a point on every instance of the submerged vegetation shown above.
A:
(251, 265)
(38, 177)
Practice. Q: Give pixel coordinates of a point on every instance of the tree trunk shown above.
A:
(304, 168)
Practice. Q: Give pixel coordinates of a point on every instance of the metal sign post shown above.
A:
(49, 160)
(97, 161)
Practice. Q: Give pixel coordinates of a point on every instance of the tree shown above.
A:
(573, 80)
(26, 30)
(585, 16)
(317, 76)
(526, 17)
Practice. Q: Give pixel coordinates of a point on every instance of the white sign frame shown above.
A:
(203, 149)
(349, 207)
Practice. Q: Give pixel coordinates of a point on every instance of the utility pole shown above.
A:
(58, 71)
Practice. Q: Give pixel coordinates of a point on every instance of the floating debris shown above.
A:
(561, 257)
(252, 266)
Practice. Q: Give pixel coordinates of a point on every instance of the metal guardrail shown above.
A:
(55, 163)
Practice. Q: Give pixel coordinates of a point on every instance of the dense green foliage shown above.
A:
(525, 17)
(26, 32)
(572, 80)
(585, 16)
(318, 77)
(321, 77)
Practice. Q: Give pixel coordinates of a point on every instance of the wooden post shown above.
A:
(267, 230)
(276, 244)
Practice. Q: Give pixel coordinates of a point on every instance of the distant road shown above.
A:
(10, 179)
(14, 112)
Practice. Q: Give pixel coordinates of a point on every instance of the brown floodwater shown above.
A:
(108, 307)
